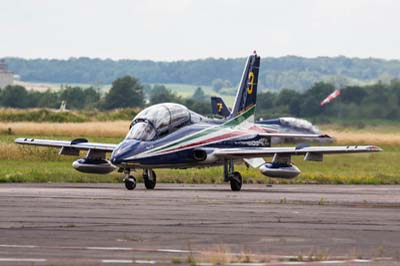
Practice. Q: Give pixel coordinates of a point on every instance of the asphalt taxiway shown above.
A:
(96, 224)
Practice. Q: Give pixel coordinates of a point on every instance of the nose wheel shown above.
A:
(130, 182)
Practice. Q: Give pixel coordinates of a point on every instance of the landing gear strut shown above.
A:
(235, 178)
(149, 178)
(129, 180)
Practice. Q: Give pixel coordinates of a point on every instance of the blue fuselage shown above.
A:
(126, 153)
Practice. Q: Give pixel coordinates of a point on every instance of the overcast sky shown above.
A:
(191, 29)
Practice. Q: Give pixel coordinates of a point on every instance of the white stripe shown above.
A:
(108, 248)
(117, 261)
(247, 264)
(292, 263)
(173, 250)
(332, 261)
(22, 260)
(203, 138)
(17, 246)
(182, 138)
(145, 262)
(152, 152)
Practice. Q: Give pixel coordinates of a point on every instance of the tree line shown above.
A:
(377, 101)
(125, 92)
(297, 73)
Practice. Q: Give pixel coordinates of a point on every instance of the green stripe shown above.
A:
(200, 134)
(240, 118)
(233, 122)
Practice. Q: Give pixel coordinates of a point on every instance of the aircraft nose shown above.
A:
(123, 150)
(115, 160)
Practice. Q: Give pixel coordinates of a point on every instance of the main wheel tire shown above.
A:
(130, 183)
(236, 181)
(150, 179)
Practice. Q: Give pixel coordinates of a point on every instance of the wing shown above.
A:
(95, 150)
(310, 152)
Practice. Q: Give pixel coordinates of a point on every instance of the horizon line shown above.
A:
(193, 59)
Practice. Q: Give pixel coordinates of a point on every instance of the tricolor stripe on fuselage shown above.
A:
(233, 128)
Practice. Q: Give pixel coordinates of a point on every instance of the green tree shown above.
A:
(353, 94)
(199, 95)
(33, 99)
(266, 100)
(14, 96)
(92, 97)
(201, 107)
(217, 84)
(291, 100)
(160, 94)
(74, 96)
(49, 99)
(311, 104)
(125, 92)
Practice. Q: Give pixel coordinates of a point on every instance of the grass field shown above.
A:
(33, 164)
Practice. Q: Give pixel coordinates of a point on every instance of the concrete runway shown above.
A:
(104, 224)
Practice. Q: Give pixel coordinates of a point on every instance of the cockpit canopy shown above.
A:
(158, 120)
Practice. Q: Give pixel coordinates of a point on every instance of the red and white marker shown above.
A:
(330, 97)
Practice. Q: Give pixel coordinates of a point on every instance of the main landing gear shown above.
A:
(235, 178)
(149, 178)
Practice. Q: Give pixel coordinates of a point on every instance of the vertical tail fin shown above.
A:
(218, 107)
(247, 93)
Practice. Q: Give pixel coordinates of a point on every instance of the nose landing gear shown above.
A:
(130, 182)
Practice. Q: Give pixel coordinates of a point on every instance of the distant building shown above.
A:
(6, 77)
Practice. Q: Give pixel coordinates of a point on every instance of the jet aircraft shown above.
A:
(170, 135)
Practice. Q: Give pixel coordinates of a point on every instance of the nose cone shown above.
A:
(124, 150)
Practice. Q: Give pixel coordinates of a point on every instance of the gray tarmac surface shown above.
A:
(103, 224)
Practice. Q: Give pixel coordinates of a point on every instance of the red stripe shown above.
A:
(330, 97)
(225, 136)
(259, 129)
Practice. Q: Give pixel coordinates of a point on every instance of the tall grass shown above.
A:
(98, 129)
(363, 137)
(49, 115)
(40, 115)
